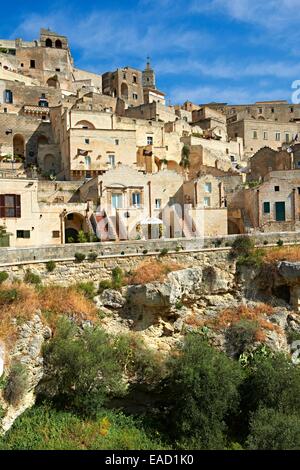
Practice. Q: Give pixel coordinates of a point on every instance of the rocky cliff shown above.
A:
(216, 300)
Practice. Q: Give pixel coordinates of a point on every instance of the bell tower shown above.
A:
(148, 76)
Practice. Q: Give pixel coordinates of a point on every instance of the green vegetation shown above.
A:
(32, 278)
(15, 384)
(117, 278)
(185, 157)
(242, 335)
(163, 252)
(44, 428)
(50, 266)
(3, 276)
(79, 257)
(82, 370)
(92, 256)
(279, 242)
(243, 248)
(87, 288)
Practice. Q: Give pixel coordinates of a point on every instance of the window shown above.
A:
(87, 161)
(32, 64)
(276, 189)
(116, 200)
(55, 234)
(291, 110)
(5, 110)
(116, 141)
(266, 208)
(87, 141)
(134, 96)
(8, 96)
(287, 138)
(10, 205)
(149, 140)
(206, 202)
(70, 216)
(272, 110)
(57, 70)
(134, 79)
(111, 160)
(277, 136)
(207, 187)
(254, 134)
(232, 158)
(136, 199)
(298, 190)
(260, 110)
(23, 233)
(265, 135)
(157, 203)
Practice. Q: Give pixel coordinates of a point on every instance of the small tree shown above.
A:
(81, 237)
(272, 430)
(201, 390)
(242, 246)
(185, 157)
(3, 276)
(82, 370)
(117, 276)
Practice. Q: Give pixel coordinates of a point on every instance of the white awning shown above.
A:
(151, 221)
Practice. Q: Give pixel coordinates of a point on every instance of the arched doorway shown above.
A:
(74, 222)
(58, 44)
(48, 42)
(124, 91)
(53, 82)
(19, 146)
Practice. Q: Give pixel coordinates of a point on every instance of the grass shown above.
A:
(42, 428)
(259, 314)
(282, 253)
(21, 301)
(151, 271)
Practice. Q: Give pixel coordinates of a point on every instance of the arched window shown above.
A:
(58, 44)
(84, 125)
(48, 42)
(124, 91)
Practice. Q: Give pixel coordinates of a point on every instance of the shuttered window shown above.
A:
(10, 205)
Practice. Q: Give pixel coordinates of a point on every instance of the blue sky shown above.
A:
(236, 51)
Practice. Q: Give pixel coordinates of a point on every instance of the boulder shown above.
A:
(112, 299)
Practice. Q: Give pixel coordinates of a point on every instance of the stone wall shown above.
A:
(70, 272)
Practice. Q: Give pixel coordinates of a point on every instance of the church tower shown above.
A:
(149, 76)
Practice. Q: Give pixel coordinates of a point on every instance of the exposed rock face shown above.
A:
(289, 271)
(27, 351)
(112, 299)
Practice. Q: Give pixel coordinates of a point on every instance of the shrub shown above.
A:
(16, 384)
(50, 265)
(242, 246)
(145, 252)
(105, 284)
(218, 243)
(273, 430)
(3, 276)
(279, 242)
(163, 252)
(79, 257)
(8, 296)
(254, 258)
(117, 277)
(81, 237)
(266, 242)
(88, 289)
(32, 278)
(242, 334)
(82, 369)
(92, 256)
(201, 390)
